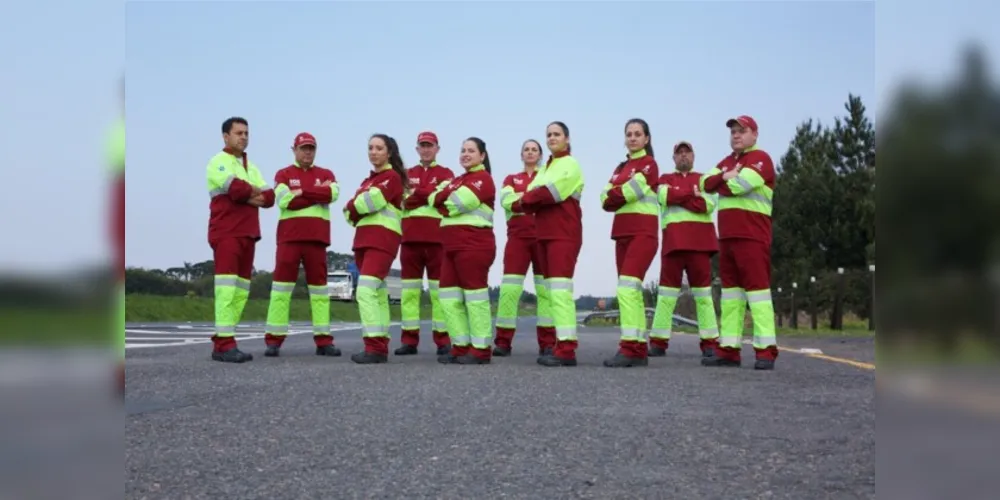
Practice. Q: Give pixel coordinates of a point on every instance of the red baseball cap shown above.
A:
(683, 144)
(305, 138)
(743, 120)
(427, 136)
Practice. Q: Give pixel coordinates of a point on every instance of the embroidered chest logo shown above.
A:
(478, 184)
(385, 183)
(294, 183)
(518, 182)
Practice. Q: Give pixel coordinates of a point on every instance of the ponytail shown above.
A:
(481, 146)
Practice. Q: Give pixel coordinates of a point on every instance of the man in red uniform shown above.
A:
(303, 192)
(744, 181)
(689, 241)
(237, 191)
(421, 248)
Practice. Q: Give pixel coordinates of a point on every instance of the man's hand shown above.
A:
(731, 174)
(297, 192)
(256, 200)
(695, 192)
(255, 192)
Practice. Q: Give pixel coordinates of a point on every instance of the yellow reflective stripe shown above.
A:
(747, 180)
(479, 217)
(462, 200)
(388, 217)
(318, 211)
(283, 196)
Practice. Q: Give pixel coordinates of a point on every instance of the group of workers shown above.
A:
(441, 224)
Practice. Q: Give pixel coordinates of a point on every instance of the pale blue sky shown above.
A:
(498, 70)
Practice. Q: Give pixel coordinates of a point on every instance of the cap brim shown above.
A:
(733, 121)
(683, 144)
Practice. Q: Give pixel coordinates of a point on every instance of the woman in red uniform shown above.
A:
(520, 253)
(466, 205)
(631, 195)
(376, 212)
(553, 196)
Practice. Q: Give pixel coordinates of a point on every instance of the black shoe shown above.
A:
(368, 358)
(708, 352)
(447, 359)
(551, 360)
(272, 351)
(328, 350)
(764, 364)
(714, 360)
(470, 359)
(620, 360)
(445, 349)
(233, 355)
(545, 352)
(656, 352)
(406, 350)
(503, 352)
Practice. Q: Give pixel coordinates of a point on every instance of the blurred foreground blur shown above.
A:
(938, 287)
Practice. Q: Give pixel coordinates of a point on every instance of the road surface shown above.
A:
(303, 426)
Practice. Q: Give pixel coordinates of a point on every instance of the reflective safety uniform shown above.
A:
(116, 162)
(376, 213)
(233, 232)
(520, 252)
(553, 196)
(689, 242)
(466, 204)
(745, 251)
(303, 236)
(420, 251)
(631, 195)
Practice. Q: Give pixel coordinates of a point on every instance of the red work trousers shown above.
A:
(633, 256)
(557, 259)
(745, 263)
(518, 255)
(312, 255)
(698, 266)
(374, 262)
(468, 270)
(233, 256)
(414, 258)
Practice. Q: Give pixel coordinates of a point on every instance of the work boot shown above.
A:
(447, 358)
(553, 360)
(620, 360)
(721, 356)
(764, 364)
(368, 358)
(406, 350)
(445, 349)
(327, 350)
(233, 355)
(656, 351)
(272, 351)
(503, 352)
(708, 347)
(472, 359)
(544, 351)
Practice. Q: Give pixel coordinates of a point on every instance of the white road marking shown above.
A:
(203, 336)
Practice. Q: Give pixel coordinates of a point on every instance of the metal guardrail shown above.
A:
(650, 311)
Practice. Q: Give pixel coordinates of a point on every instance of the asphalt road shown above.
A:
(303, 426)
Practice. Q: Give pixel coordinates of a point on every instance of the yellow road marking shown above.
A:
(857, 364)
